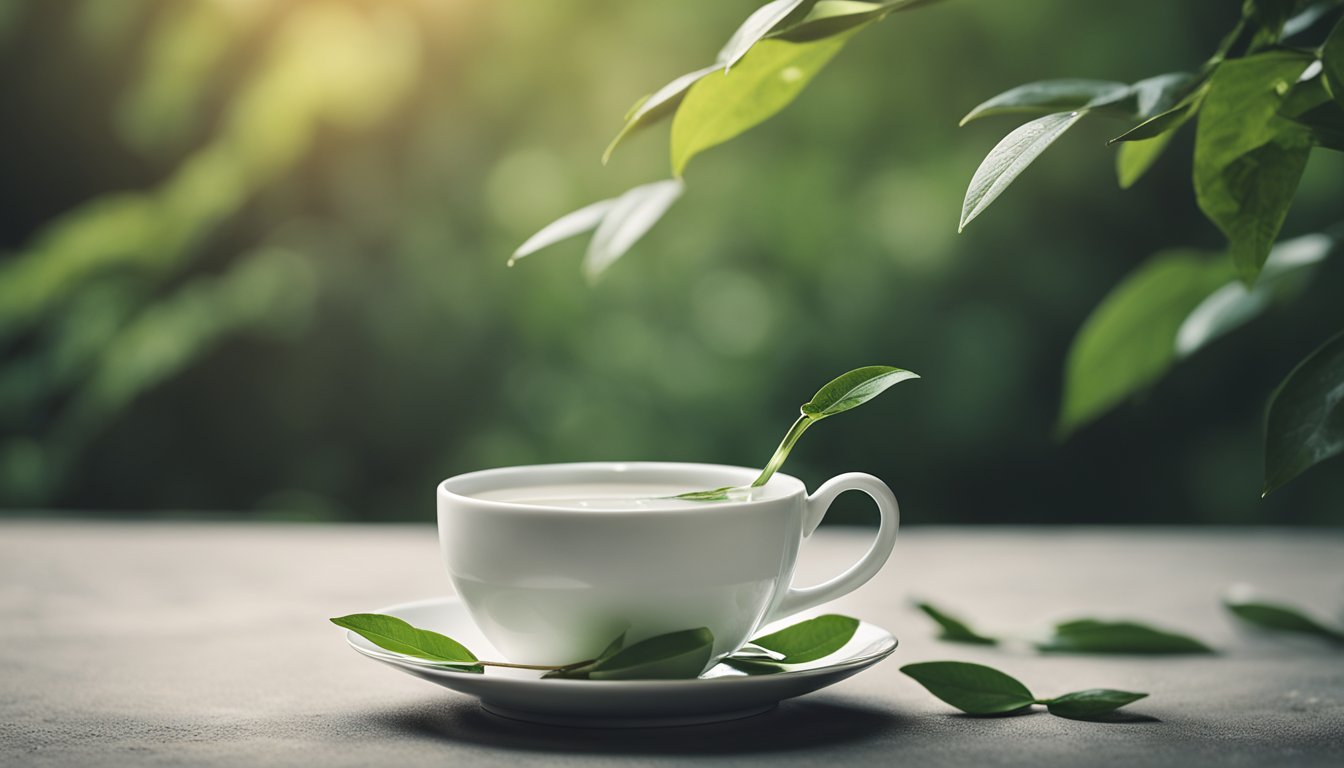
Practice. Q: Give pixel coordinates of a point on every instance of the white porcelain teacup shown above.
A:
(554, 580)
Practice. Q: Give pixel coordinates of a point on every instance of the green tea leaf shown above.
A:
(954, 629)
(1168, 121)
(1248, 160)
(677, 655)
(810, 640)
(1284, 618)
(631, 216)
(1093, 636)
(1049, 96)
(1287, 269)
(1090, 704)
(1305, 423)
(768, 78)
(581, 672)
(973, 688)
(654, 107)
(397, 636)
(1332, 59)
(1010, 158)
(565, 227)
(853, 389)
(760, 22)
(1127, 343)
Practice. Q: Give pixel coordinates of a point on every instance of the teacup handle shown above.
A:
(801, 598)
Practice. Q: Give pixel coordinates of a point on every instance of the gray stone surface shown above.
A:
(194, 644)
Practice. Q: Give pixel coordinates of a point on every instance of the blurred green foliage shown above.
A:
(253, 262)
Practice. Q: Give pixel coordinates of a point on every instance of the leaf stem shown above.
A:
(543, 667)
(782, 452)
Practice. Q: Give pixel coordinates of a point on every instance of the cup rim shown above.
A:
(788, 487)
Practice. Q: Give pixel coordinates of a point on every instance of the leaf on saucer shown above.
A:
(954, 629)
(973, 688)
(393, 634)
(1093, 636)
(676, 655)
(1284, 618)
(754, 666)
(581, 672)
(1090, 704)
(810, 640)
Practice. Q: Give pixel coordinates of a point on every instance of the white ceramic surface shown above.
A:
(548, 585)
(722, 693)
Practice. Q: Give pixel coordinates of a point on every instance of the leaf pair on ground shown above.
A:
(673, 656)
(980, 690)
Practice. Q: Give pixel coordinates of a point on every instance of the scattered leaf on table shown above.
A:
(1089, 704)
(973, 688)
(954, 629)
(1284, 618)
(1126, 637)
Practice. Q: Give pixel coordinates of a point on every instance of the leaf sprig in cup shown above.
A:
(844, 392)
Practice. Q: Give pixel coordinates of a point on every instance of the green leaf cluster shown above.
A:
(680, 655)
(980, 690)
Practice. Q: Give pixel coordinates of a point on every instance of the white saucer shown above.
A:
(722, 693)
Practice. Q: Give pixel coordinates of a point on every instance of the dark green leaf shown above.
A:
(1248, 160)
(954, 629)
(1127, 343)
(1269, 18)
(1010, 158)
(397, 636)
(1305, 423)
(1134, 158)
(1154, 95)
(722, 105)
(1050, 96)
(674, 656)
(754, 667)
(973, 688)
(1332, 59)
(581, 672)
(654, 107)
(1092, 703)
(853, 389)
(1168, 121)
(810, 640)
(1284, 618)
(1092, 636)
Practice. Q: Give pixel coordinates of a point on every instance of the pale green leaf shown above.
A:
(832, 17)
(809, 640)
(1050, 96)
(1010, 158)
(1134, 158)
(722, 105)
(567, 226)
(853, 389)
(631, 216)
(1305, 422)
(757, 25)
(393, 634)
(657, 105)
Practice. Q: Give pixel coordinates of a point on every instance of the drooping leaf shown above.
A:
(674, 656)
(1009, 158)
(1332, 59)
(954, 629)
(1248, 160)
(1168, 121)
(811, 639)
(1049, 96)
(629, 219)
(1134, 158)
(1127, 343)
(973, 688)
(395, 635)
(757, 25)
(1233, 305)
(1276, 616)
(654, 107)
(1090, 704)
(1305, 422)
(565, 227)
(1128, 637)
(768, 78)
(853, 389)
(832, 17)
